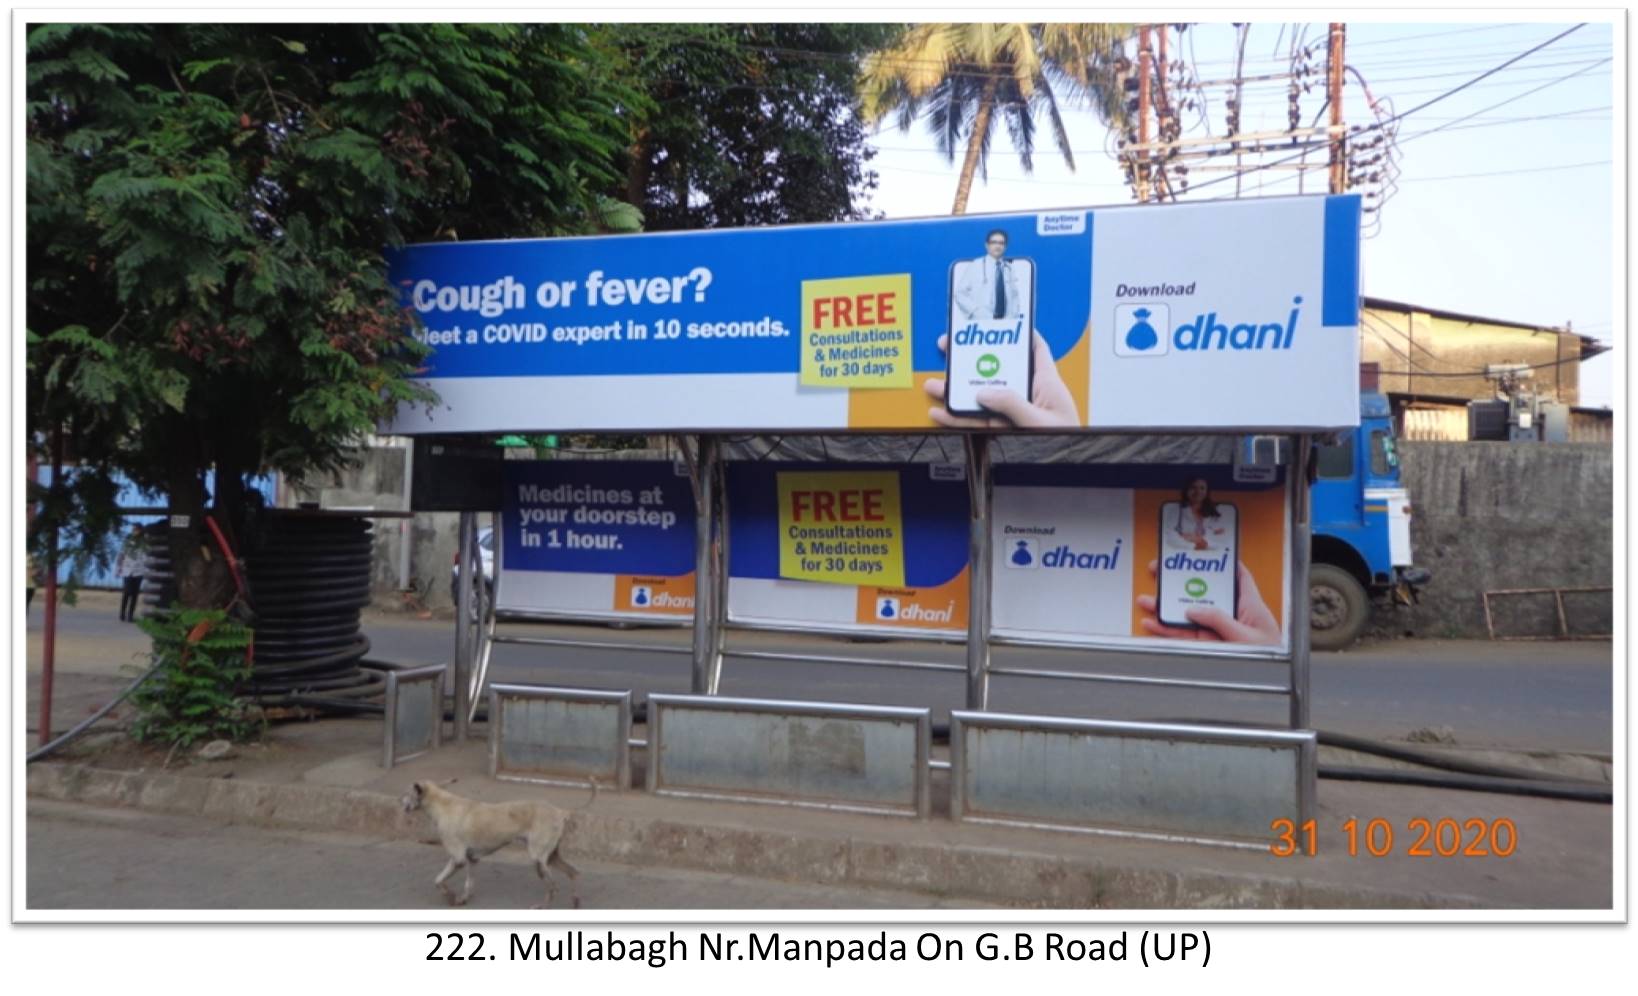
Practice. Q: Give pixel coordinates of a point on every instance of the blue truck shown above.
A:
(1361, 529)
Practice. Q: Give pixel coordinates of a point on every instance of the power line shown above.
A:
(1381, 125)
(1506, 172)
(1515, 97)
(1562, 116)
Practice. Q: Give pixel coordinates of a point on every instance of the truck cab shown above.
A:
(1361, 529)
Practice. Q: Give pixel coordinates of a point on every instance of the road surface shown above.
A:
(84, 857)
(1535, 696)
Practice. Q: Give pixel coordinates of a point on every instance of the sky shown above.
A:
(1506, 211)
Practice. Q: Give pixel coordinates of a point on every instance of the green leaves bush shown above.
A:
(196, 694)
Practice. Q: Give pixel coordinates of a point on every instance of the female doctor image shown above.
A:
(1197, 525)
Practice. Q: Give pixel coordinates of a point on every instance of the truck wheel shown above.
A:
(1338, 607)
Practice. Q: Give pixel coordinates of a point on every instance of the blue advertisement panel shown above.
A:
(848, 547)
(1117, 317)
(599, 538)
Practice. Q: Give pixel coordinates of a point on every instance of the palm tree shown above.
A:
(963, 74)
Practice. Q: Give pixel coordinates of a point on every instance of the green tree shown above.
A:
(965, 76)
(753, 124)
(209, 208)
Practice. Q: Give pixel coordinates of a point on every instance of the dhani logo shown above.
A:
(1208, 332)
(1181, 561)
(1067, 558)
(644, 597)
(893, 610)
(972, 335)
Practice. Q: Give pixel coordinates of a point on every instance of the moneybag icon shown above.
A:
(1141, 335)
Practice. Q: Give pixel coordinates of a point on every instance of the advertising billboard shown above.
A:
(848, 547)
(1139, 555)
(1098, 555)
(1219, 315)
(1104, 555)
(596, 539)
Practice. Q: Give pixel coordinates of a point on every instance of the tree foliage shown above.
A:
(753, 124)
(208, 210)
(197, 690)
(964, 77)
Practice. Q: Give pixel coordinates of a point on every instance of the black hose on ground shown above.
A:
(46, 750)
(1472, 776)
(1411, 755)
(1556, 789)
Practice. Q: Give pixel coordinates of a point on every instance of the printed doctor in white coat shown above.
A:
(991, 286)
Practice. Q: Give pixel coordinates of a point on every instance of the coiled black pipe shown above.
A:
(307, 579)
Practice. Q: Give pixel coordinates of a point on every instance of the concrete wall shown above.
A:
(1490, 516)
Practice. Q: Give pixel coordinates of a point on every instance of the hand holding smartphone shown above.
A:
(1199, 561)
(992, 322)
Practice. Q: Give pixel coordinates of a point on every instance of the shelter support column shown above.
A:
(709, 583)
(466, 542)
(1301, 555)
(978, 571)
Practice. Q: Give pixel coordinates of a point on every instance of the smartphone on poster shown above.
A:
(1199, 561)
(992, 328)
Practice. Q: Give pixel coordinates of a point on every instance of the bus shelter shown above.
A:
(1123, 400)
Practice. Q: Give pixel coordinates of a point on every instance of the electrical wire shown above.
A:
(1419, 107)
(1509, 172)
(1509, 100)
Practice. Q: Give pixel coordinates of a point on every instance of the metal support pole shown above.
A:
(464, 623)
(48, 641)
(978, 571)
(1301, 551)
(707, 671)
(406, 527)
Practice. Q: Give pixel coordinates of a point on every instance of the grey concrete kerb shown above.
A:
(937, 868)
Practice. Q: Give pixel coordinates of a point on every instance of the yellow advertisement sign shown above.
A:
(856, 332)
(841, 527)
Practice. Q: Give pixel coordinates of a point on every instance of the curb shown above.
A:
(940, 869)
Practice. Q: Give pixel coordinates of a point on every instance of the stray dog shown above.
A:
(470, 830)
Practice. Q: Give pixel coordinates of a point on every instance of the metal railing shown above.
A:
(414, 713)
(1152, 780)
(559, 736)
(823, 755)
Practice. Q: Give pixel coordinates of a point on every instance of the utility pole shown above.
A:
(1333, 72)
(1163, 114)
(1142, 165)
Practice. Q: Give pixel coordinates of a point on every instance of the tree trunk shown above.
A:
(202, 578)
(975, 142)
(637, 173)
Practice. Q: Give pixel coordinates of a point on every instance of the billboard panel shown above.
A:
(600, 539)
(1106, 555)
(1231, 315)
(1139, 555)
(847, 548)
